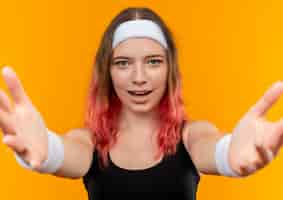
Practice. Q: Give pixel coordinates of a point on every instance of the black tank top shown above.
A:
(174, 178)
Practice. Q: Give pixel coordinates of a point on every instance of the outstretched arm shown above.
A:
(200, 138)
(78, 148)
(25, 132)
(255, 141)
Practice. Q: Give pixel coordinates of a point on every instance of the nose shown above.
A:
(139, 75)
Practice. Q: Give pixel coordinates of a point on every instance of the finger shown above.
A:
(14, 85)
(279, 125)
(244, 171)
(278, 131)
(5, 102)
(36, 162)
(6, 123)
(248, 169)
(14, 143)
(267, 100)
(263, 155)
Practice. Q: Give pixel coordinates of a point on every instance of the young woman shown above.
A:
(137, 141)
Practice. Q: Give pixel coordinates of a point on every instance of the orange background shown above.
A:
(230, 53)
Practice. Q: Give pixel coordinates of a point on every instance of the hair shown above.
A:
(103, 105)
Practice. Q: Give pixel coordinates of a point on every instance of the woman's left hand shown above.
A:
(256, 141)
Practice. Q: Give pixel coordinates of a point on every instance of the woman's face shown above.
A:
(139, 73)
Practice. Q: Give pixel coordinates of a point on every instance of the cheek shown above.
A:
(160, 78)
(119, 84)
(118, 79)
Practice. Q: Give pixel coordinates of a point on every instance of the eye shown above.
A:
(121, 63)
(155, 61)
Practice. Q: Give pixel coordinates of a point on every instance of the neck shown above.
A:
(138, 123)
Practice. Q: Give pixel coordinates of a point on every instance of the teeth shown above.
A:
(139, 92)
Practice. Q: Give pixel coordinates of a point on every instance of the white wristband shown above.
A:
(221, 156)
(55, 155)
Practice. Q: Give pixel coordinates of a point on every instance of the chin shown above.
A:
(141, 108)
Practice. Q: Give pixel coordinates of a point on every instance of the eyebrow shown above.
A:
(149, 56)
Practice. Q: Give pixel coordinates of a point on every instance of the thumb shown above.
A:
(37, 161)
(269, 98)
(14, 143)
(35, 164)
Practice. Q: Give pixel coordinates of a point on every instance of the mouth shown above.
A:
(139, 93)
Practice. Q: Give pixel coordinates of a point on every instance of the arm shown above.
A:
(255, 142)
(25, 133)
(78, 151)
(200, 138)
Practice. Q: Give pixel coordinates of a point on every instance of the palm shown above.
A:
(23, 127)
(255, 140)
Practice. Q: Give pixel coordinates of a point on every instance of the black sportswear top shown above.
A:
(174, 178)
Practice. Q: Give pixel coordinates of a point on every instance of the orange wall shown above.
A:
(230, 53)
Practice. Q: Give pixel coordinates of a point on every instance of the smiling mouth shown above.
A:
(140, 93)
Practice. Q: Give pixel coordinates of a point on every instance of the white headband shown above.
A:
(138, 28)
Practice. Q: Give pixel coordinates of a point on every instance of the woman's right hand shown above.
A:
(24, 130)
